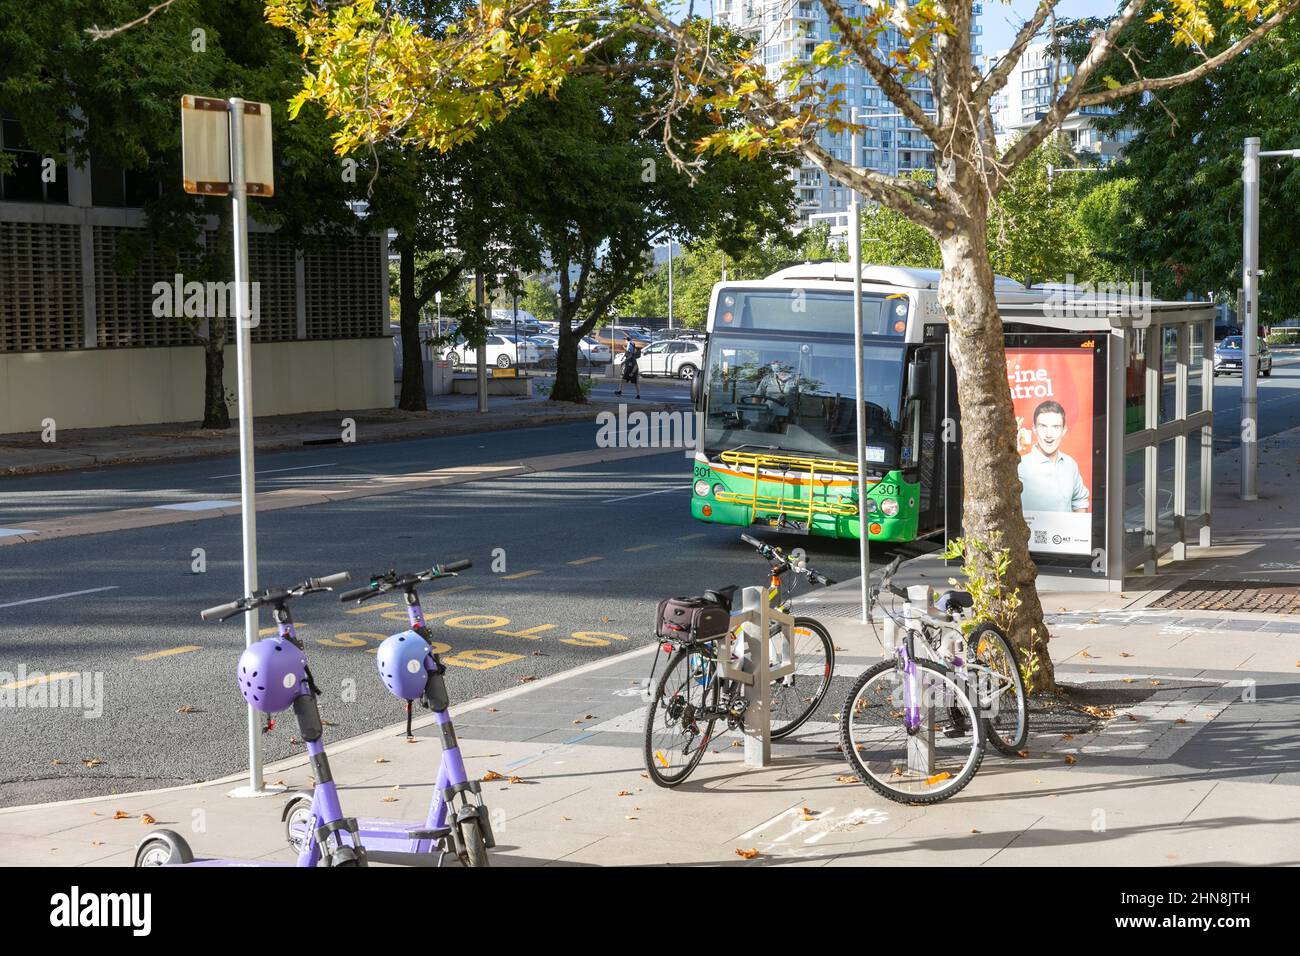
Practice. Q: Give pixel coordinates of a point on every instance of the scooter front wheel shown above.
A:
(297, 824)
(474, 852)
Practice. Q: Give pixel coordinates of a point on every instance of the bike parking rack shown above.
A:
(754, 670)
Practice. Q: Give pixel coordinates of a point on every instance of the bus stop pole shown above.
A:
(1250, 320)
(859, 375)
(243, 361)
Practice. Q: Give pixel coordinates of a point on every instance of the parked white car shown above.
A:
(594, 352)
(500, 351)
(679, 358)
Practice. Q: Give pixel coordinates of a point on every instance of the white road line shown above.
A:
(210, 505)
(10, 532)
(646, 494)
(56, 597)
(272, 471)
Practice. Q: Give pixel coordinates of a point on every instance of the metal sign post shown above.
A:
(230, 155)
(859, 377)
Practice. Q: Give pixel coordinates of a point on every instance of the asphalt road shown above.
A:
(1279, 405)
(605, 543)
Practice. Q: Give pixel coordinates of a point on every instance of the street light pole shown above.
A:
(1250, 274)
(670, 282)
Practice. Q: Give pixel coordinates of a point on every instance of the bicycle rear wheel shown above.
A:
(892, 761)
(676, 735)
(795, 697)
(1004, 707)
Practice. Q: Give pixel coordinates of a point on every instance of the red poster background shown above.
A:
(1065, 375)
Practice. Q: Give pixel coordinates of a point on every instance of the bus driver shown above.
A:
(1050, 477)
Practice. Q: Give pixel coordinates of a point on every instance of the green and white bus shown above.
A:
(776, 397)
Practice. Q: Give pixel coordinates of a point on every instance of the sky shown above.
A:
(1002, 19)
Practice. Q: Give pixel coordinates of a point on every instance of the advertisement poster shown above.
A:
(1051, 392)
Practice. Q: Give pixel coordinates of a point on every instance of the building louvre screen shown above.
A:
(40, 287)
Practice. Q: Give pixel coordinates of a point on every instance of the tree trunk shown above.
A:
(412, 396)
(567, 386)
(991, 488)
(215, 412)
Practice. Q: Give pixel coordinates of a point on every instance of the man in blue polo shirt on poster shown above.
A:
(1050, 477)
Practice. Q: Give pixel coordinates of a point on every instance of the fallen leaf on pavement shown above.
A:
(1131, 717)
(1125, 654)
(58, 763)
(147, 818)
(1067, 736)
(846, 778)
(527, 677)
(92, 762)
(1071, 759)
(491, 710)
(390, 799)
(397, 786)
(1180, 720)
(750, 854)
(1155, 683)
(490, 776)
(515, 780)
(412, 740)
(1128, 680)
(629, 818)
(973, 830)
(623, 793)
(187, 709)
(1022, 754)
(96, 842)
(565, 819)
(121, 815)
(381, 760)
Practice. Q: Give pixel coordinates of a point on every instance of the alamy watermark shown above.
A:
(64, 691)
(1124, 303)
(207, 300)
(641, 429)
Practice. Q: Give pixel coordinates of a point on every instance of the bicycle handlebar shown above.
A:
(221, 611)
(773, 553)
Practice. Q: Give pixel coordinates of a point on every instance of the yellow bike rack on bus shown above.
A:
(805, 471)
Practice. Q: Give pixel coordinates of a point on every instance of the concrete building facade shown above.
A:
(81, 342)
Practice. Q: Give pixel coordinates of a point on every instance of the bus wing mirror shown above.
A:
(917, 378)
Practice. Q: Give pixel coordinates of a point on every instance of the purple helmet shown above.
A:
(270, 673)
(401, 661)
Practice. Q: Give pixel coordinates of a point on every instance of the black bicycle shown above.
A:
(691, 695)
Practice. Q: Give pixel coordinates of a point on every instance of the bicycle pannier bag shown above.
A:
(690, 620)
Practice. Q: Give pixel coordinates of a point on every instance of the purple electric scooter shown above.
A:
(457, 821)
(273, 677)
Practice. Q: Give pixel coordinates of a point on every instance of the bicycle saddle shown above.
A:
(722, 596)
(952, 601)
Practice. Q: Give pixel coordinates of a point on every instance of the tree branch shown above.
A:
(883, 76)
(998, 76)
(1102, 97)
(100, 33)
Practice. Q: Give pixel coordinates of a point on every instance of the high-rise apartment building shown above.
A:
(1031, 88)
(791, 29)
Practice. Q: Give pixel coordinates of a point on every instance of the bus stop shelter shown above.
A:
(1155, 402)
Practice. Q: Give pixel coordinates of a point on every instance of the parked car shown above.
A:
(546, 348)
(679, 358)
(617, 339)
(501, 351)
(594, 351)
(1228, 356)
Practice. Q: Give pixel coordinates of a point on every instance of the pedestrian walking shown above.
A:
(631, 371)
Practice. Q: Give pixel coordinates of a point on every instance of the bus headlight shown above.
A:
(890, 507)
(718, 489)
(701, 489)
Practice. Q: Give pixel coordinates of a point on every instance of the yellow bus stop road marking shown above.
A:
(46, 679)
(641, 547)
(184, 649)
(519, 574)
(598, 557)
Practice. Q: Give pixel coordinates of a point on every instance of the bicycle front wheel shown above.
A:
(1004, 707)
(677, 725)
(925, 765)
(794, 697)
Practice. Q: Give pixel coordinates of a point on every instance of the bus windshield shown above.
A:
(795, 395)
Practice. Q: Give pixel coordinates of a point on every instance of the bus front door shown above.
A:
(923, 445)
